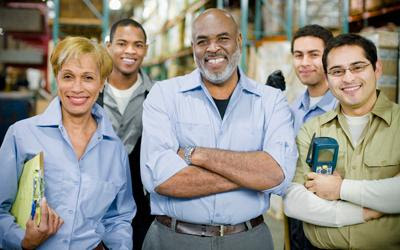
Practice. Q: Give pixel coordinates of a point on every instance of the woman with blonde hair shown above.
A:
(88, 196)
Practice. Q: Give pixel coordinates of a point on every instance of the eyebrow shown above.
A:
(353, 63)
(308, 51)
(218, 35)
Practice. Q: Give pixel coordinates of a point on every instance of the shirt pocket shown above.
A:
(96, 197)
(246, 137)
(381, 165)
(193, 134)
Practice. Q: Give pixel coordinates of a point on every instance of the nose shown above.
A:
(305, 60)
(213, 47)
(130, 49)
(77, 85)
(348, 76)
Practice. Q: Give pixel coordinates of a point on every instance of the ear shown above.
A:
(240, 40)
(378, 69)
(146, 46)
(108, 45)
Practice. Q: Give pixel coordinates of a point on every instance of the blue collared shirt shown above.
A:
(92, 195)
(180, 112)
(302, 111)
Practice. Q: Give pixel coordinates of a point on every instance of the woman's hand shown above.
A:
(37, 234)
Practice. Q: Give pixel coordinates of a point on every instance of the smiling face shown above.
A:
(127, 49)
(79, 84)
(307, 60)
(355, 91)
(216, 46)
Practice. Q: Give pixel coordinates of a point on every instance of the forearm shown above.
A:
(303, 205)
(381, 195)
(254, 170)
(193, 181)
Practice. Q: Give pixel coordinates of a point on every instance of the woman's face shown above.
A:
(79, 85)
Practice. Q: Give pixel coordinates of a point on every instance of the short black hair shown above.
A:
(314, 30)
(368, 47)
(126, 22)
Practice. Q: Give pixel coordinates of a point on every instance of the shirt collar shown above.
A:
(195, 82)
(146, 82)
(327, 102)
(52, 117)
(382, 108)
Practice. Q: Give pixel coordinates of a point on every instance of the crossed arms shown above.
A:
(329, 200)
(213, 170)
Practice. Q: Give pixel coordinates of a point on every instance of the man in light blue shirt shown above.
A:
(215, 146)
(307, 48)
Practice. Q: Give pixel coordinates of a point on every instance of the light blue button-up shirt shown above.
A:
(180, 112)
(92, 195)
(302, 111)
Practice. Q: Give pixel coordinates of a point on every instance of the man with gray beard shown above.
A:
(215, 146)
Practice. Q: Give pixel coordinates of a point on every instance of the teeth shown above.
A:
(128, 60)
(215, 61)
(351, 88)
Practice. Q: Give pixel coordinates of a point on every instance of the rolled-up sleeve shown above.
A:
(279, 141)
(159, 158)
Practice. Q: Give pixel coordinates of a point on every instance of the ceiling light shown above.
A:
(115, 4)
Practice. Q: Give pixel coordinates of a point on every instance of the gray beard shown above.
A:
(219, 78)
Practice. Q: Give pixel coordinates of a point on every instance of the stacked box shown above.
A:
(387, 44)
(271, 10)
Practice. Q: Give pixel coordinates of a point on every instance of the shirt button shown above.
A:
(70, 211)
(65, 241)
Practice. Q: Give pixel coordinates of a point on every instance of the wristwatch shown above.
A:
(187, 154)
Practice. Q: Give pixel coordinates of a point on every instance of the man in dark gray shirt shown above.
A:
(124, 93)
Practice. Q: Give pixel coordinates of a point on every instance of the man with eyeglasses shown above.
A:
(358, 206)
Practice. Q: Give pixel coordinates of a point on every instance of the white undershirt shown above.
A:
(122, 96)
(357, 125)
(315, 100)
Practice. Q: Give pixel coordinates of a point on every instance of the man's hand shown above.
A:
(369, 214)
(37, 234)
(325, 186)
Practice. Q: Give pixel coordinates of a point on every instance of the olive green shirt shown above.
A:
(377, 156)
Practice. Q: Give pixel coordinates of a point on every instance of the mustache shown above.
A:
(209, 55)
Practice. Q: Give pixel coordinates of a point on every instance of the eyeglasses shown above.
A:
(354, 68)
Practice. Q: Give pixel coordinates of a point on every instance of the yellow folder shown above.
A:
(30, 191)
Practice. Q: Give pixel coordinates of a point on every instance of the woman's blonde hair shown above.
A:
(74, 47)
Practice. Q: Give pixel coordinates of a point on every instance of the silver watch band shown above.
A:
(187, 154)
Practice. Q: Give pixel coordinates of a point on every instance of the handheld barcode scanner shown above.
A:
(322, 154)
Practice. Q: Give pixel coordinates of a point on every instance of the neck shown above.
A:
(122, 81)
(362, 109)
(318, 89)
(78, 123)
(223, 90)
